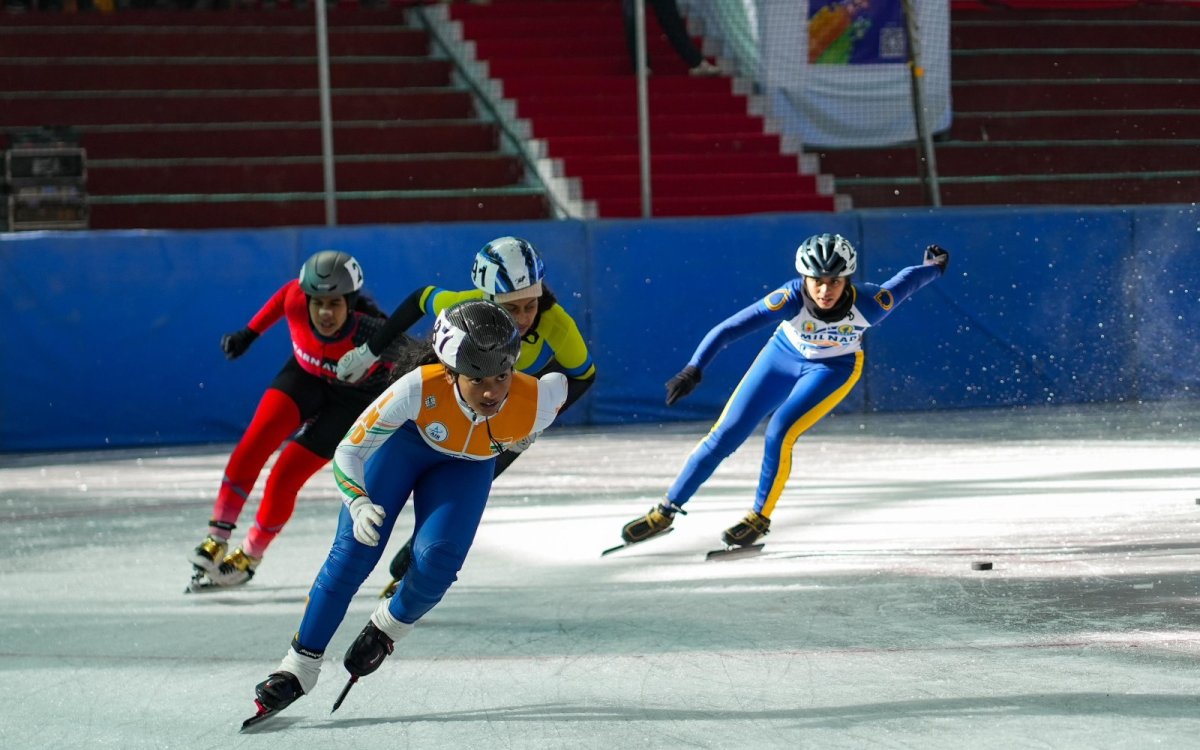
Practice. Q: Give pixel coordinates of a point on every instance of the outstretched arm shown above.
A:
(356, 363)
(771, 309)
(405, 316)
(236, 343)
(936, 256)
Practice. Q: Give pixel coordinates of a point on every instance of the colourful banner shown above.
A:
(856, 32)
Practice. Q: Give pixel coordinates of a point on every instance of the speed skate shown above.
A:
(201, 583)
(733, 553)
(627, 545)
(263, 713)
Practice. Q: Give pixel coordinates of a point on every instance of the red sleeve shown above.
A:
(271, 312)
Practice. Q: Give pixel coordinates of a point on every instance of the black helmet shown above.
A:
(476, 338)
(826, 255)
(329, 273)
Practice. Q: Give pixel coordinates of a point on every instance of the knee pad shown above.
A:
(436, 566)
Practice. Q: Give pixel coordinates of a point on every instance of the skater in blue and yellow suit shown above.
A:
(510, 272)
(810, 364)
(433, 434)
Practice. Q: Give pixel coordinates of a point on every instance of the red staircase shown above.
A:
(195, 119)
(1080, 102)
(566, 66)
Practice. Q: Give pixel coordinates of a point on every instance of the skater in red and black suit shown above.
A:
(327, 315)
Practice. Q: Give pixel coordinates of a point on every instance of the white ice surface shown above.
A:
(862, 625)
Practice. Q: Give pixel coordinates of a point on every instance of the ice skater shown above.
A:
(327, 314)
(811, 362)
(510, 272)
(434, 434)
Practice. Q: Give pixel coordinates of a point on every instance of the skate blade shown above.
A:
(627, 545)
(345, 691)
(732, 553)
(389, 589)
(263, 714)
(200, 582)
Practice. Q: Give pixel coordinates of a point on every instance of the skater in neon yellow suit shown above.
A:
(508, 271)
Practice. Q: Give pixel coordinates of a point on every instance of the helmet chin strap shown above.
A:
(458, 392)
(487, 421)
(495, 446)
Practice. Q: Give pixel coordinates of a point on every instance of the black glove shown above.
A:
(235, 344)
(682, 384)
(936, 256)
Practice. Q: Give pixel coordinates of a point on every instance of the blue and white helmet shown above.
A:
(826, 255)
(508, 269)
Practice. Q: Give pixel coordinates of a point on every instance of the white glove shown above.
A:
(354, 364)
(521, 445)
(368, 517)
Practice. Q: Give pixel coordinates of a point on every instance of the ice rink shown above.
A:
(862, 624)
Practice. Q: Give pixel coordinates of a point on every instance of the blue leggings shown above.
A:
(449, 495)
(800, 392)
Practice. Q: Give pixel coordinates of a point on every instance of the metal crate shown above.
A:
(45, 165)
(48, 207)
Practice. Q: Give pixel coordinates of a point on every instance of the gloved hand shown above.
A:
(682, 384)
(368, 517)
(523, 444)
(235, 344)
(936, 256)
(353, 365)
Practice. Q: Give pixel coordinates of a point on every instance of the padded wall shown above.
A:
(111, 338)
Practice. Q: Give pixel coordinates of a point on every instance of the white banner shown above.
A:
(849, 95)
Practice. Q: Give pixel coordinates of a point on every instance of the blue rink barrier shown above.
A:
(111, 338)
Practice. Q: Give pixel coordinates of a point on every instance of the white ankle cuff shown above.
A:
(305, 668)
(390, 626)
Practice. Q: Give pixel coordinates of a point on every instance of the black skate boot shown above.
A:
(398, 567)
(747, 531)
(296, 676)
(368, 651)
(655, 522)
(278, 691)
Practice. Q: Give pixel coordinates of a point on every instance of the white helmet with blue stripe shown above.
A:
(508, 269)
